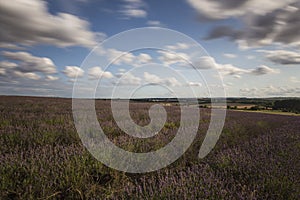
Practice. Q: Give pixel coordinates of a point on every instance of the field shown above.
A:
(274, 112)
(42, 157)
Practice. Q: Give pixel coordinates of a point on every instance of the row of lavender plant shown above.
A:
(257, 156)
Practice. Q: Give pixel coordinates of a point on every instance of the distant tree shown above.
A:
(254, 108)
(289, 105)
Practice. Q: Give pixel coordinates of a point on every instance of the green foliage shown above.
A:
(289, 105)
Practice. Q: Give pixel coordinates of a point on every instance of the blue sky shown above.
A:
(251, 48)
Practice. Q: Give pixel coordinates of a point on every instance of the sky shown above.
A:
(140, 48)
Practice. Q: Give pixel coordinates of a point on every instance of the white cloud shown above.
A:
(26, 67)
(133, 1)
(134, 13)
(197, 84)
(30, 63)
(143, 58)
(128, 79)
(228, 69)
(237, 76)
(219, 9)
(97, 73)
(154, 23)
(294, 79)
(154, 79)
(261, 70)
(51, 78)
(73, 72)
(120, 57)
(133, 9)
(207, 62)
(5, 45)
(270, 91)
(178, 46)
(169, 58)
(229, 55)
(27, 75)
(151, 78)
(29, 23)
(2, 71)
(282, 56)
(7, 65)
(172, 81)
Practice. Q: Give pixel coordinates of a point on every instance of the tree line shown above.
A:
(288, 105)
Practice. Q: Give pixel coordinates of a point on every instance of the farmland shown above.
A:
(42, 157)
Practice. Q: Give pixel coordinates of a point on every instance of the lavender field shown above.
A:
(42, 157)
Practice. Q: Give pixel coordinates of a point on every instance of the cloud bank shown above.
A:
(29, 23)
(263, 22)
